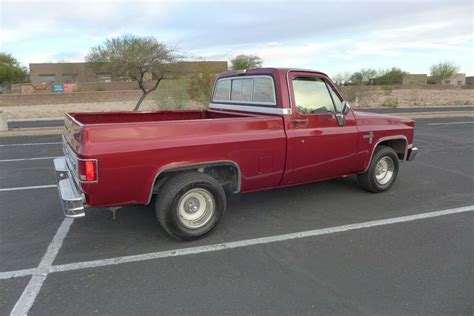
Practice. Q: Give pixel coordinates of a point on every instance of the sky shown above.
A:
(331, 36)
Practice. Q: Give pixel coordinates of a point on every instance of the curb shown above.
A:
(36, 119)
(445, 114)
(32, 132)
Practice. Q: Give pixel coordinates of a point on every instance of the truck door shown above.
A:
(318, 146)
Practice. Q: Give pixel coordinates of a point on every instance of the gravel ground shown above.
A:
(58, 110)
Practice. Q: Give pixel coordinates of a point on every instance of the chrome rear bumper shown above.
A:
(71, 197)
(412, 154)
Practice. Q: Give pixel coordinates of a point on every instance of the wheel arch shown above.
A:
(221, 170)
(399, 143)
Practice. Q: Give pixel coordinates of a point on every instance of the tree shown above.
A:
(363, 76)
(443, 71)
(246, 62)
(135, 57)
(342, 78)
(11, 71)
(390, 76)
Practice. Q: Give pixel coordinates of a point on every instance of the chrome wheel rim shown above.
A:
(196, 208)
(384, 170)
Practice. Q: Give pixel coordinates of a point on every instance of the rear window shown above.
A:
(256, 89)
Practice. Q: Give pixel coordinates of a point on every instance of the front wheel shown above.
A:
(382, 171)
(189, 205)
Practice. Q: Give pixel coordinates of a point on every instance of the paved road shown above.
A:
(55, 123)
(414, 267)
(421, 109)
(32, 124)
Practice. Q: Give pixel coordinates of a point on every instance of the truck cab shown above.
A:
(325, 137)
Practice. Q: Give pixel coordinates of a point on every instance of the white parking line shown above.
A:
(24, 159)
(233, 244)
(29, 144)
(28, 296)
(450, 123)
(28, 188)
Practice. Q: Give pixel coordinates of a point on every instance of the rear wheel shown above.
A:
(382, 171)
(189, 205)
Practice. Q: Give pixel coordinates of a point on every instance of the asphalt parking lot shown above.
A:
(399, 255)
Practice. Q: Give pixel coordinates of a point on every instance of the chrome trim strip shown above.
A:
(253, 89)
(247, 108)
(74, 120)
(197, 165)
(402, 137)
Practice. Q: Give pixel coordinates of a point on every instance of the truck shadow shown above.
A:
(135, 230)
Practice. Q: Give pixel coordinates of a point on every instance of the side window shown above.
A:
(336, 99)
(312, 96)
(222, 90)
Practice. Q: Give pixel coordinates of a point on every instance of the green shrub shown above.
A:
(99, 88)
(175, 95)
(390, 102)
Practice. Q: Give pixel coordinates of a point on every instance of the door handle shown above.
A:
(300, 121)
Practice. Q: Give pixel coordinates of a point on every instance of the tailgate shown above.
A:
(72, 132)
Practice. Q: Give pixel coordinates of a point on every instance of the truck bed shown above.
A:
(93, 118)
(133, 147)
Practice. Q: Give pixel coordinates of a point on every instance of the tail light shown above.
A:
(88, 170)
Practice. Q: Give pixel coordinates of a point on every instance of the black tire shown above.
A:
(368, 179)
(169, 200)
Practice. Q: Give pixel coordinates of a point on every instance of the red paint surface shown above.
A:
(271, 150)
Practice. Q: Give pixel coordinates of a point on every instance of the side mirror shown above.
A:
(341, 117)
(345, 107)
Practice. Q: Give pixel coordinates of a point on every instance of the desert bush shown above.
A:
(353, 93)
(175, 96)
(390, 102)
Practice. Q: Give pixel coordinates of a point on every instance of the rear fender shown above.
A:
(159, 178)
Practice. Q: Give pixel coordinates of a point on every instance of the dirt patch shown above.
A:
(58, 110)
(396, 96)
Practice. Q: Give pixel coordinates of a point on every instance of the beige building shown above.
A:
(456, 80)
(414, 79)
(81, 72)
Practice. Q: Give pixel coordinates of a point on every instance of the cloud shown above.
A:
(335, 35)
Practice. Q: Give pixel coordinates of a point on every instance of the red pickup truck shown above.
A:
(265, 128)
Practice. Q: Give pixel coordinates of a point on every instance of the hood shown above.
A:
(367, 118)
